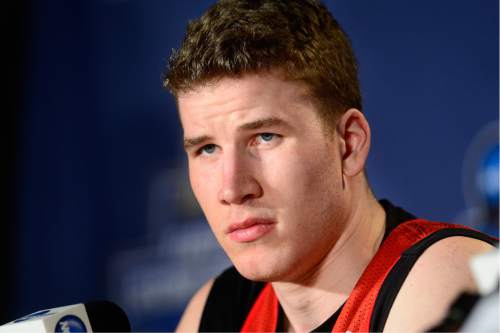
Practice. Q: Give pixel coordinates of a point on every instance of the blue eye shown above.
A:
(207, 149)
(267, 136)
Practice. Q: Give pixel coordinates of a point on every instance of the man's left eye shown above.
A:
(266, 140)
(267, 136)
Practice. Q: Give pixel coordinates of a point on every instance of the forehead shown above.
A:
(239, 99)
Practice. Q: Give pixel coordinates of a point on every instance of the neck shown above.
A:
(312, 299)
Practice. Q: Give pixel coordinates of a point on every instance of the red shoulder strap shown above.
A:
(356, 313)
(263, 316)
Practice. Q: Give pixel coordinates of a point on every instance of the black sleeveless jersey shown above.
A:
(232, 296)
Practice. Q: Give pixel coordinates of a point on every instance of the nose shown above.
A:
(238, 180)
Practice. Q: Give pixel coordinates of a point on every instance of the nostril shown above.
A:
(241, 192)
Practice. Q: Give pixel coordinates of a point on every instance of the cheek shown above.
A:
(204, 186)
(203, 183)
(307, 192)
(302, 176)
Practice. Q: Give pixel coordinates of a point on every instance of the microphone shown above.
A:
(96, 316)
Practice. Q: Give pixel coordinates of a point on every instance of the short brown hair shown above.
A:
(298, 37)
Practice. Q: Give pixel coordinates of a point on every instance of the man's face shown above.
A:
(265, 174)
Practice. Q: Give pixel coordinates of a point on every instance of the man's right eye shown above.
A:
(207, 149)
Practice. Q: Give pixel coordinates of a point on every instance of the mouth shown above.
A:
(250, 229)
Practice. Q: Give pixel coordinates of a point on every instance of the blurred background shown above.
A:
(98, 203)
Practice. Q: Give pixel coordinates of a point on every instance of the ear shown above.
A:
(354, 134)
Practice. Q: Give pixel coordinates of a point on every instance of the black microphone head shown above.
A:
(105, 316)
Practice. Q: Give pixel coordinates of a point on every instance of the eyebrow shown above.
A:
(262, 123)
(192, 142)
(189, 143)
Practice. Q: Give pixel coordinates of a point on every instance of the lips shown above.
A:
(250, 229)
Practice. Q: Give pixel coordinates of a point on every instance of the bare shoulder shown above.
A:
(438, 277)
(191, 317)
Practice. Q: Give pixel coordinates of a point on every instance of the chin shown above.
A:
(254, 275)
(261, 271)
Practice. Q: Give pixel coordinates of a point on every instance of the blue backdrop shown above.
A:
(104, 208)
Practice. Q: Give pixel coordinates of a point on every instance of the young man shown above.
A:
(277, 143)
